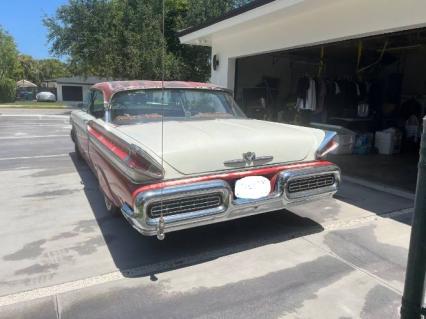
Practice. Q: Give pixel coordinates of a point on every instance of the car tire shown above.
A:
(77, 152)
(111, 208)
(72, 135)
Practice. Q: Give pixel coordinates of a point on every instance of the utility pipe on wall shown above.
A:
(412, 300)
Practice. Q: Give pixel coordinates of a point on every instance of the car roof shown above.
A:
(112, 87)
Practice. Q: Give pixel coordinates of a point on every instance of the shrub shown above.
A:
(7, 90)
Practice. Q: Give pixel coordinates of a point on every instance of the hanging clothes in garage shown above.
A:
(321, 90)
(306, 94)
(320, 113)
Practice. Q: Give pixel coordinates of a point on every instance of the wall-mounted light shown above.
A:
(215, 62)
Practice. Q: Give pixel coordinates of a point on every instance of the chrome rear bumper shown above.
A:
(230, 207)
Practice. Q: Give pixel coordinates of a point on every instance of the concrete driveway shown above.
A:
(63, 256)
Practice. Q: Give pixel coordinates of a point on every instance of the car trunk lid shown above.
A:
(202, 146)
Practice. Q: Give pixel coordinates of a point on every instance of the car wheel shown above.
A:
(72, 135)
(77, 151)
(111, 208)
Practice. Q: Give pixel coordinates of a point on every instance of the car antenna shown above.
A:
(160, 226)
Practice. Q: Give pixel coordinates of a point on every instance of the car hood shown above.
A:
(201, 146)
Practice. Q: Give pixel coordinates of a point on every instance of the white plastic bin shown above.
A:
(388, 142)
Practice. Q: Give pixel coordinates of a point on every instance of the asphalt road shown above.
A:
(63, 256)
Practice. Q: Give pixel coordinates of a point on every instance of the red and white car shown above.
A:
(185, 155)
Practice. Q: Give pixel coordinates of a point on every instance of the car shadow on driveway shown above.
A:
(136, 255)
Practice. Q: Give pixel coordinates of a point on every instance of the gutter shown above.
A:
(230, 14)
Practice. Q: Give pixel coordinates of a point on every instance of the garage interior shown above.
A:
(371, 91)
(72, 93)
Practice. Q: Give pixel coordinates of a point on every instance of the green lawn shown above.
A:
(33, 105)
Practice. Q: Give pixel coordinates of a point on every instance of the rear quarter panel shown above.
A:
(111, 181)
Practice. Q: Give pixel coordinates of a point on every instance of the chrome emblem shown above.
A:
(249, 158)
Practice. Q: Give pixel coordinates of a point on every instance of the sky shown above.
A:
(23, 20)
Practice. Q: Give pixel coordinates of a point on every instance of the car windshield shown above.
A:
(151, 104)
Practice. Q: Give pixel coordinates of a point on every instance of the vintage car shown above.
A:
(176, 155)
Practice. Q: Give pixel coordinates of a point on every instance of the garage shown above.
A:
(363, 78)
(73, 89)
(371, 91)
(72, 93)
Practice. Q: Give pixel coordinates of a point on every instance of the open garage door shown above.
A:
(372, 91)
(72, 93)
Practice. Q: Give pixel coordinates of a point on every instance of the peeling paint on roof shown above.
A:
(112, 87)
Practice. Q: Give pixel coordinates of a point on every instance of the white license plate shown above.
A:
(252, 187)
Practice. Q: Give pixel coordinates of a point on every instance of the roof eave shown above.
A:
(230, 14)
(203, 34)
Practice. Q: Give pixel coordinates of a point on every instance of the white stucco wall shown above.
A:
(59, 93)
(309, 23)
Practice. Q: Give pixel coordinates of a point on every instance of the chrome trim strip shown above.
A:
(187, 204)
(256, 160)
(329, 135)
(287, 177)
(134, 149)
(267, 158)
(134, 174)
(127, 210)
(231, 208)
(79, 124)
(144, 200)
(235, 162)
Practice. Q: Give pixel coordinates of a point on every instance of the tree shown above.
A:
(182, 14)
(8, 66)
(29, 69)
(15, 66)
(52, 68)
(8, 56)
(200, 11)
(120, 39)
(123, 38)
(38, 71)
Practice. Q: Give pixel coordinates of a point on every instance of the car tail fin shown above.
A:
(130, 159)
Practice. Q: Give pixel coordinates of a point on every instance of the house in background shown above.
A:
(72, 89)
(25, 90)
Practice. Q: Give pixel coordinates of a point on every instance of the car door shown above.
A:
(94, 109)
